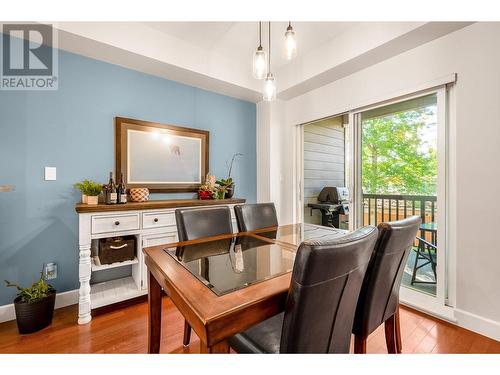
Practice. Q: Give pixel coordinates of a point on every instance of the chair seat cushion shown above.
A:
(263, 338)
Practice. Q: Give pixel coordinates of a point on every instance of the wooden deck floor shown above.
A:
(125, 331)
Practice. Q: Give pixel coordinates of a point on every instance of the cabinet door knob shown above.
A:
(117, 223)
(155, 219)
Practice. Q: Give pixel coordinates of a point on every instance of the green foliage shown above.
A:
(224, 182)
(89, 187)
(219, 192)
(395, 158)
(36, 292)
(217, 188)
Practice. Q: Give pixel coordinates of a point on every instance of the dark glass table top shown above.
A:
(228, 263)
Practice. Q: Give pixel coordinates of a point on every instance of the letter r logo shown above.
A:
(27, 50)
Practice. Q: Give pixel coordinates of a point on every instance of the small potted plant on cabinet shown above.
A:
(225, 188)
(34, 306)
(90, 191)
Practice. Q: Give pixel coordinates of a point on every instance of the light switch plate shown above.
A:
(50, 173)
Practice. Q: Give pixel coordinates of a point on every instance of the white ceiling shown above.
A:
(217, 56)
(238, 40)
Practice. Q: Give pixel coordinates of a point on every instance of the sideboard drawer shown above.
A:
(158, 219)
(116, 223)
(161, 239)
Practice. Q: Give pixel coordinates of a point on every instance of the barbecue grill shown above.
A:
(332, 202)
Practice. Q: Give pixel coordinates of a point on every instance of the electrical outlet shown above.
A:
(50, 271)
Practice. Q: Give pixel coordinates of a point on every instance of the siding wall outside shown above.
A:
(323, 161)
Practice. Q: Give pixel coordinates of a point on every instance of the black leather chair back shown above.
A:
(194, 223)
(379, 295)
(255, 216)
(324, 290)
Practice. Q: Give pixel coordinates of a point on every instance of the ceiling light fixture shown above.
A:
(290, 42)
(260, 59)
(269, 82)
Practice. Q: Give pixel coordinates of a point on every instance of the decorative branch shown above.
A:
(231, 165)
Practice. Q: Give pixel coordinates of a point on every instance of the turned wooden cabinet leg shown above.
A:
(187, 333)
(85, 267)
(399, 342)
(220, 348)
(359, 345)
(154, 314)
(390, 334)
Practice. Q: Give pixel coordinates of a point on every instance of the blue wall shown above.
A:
(72, 129)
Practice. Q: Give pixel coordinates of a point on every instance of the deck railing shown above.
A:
(388, 207)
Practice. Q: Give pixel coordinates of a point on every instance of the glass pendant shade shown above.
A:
(290, 43)
(260, 63)
(269, 88)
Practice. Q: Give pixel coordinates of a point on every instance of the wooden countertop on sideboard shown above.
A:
(154, 204)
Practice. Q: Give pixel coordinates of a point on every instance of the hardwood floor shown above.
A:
(125, 331)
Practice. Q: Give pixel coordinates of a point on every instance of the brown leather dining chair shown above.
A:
(379, 298)
(321, 301)
(255, 216)
(195, 223)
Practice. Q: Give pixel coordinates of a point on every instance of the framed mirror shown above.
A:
(163, 158)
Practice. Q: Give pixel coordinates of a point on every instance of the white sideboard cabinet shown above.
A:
(152, 223)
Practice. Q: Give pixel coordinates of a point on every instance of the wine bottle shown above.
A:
(122, 191)
(111, 195)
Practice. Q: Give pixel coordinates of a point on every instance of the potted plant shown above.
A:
(82, 186)
(225, 188)
(34, 306)
(90, 191)
(229, 181)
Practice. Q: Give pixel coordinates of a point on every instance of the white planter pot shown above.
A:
(84, 199)
(92, 199)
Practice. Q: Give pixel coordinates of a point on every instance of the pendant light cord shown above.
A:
(260, 34)
(269, 60)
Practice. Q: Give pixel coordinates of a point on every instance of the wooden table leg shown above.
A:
(221, 348)
(154, 314)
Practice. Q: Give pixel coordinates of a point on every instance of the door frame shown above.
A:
(298, 157)
(299, 172)
(442, 304)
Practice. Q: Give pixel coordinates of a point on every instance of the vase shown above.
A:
(92, 199)
(84, 199)
(34, 316)
(230, 191)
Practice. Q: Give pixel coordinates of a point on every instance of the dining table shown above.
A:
(225, 284)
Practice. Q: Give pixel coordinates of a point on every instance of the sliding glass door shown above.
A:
(399, 153)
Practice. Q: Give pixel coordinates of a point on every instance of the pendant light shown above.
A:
(260, 59)
(269, 82)
(290, 42)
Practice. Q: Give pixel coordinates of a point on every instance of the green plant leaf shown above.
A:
(37, 291)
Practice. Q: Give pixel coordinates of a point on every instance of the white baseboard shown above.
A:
(479, 324)
(63, 299)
